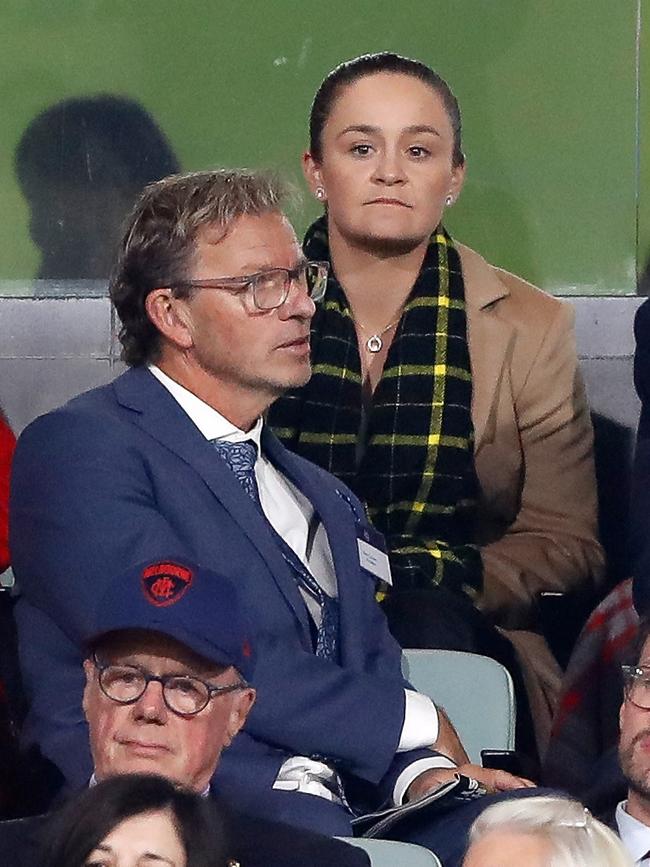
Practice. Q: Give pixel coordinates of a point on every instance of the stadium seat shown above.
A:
(475, 691)
(389, 853)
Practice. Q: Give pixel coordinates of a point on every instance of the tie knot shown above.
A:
(240, 457)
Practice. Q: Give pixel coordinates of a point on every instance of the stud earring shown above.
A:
(320, 193)
(449, 200)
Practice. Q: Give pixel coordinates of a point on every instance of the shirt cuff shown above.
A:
(420, 727)
(409, 774)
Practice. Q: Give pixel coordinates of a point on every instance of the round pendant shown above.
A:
(374, 343)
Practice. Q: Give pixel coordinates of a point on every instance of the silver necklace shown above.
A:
(374, 343)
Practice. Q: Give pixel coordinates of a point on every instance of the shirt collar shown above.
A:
(211, 423)
(634, 834)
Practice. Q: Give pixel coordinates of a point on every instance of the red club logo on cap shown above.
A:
(165, 583)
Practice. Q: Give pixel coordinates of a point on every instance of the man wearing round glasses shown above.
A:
(155, 705)
(170, 654)
(633, 815)
(166, 685)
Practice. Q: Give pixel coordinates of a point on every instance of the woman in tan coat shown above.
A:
(445, 392)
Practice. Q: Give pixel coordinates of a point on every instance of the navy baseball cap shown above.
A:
(194, 605)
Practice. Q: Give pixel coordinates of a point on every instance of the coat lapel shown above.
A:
(158, 413)
(489, 337)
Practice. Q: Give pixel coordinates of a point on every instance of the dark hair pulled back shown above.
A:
(370, 64)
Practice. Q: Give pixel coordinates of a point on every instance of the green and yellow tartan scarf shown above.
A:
(416, 471)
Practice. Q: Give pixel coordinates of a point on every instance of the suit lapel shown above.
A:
(156, 412)
(335, 514)
(489, 337)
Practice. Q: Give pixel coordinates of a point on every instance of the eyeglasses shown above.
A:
(182, 694)
(270, 289)
(637, 685)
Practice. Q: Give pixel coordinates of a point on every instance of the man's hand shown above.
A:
(490, 779)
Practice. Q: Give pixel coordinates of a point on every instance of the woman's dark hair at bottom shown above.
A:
(73, 832)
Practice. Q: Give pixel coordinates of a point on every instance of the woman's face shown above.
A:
(505, 848)
(386, 165)
(147, 840)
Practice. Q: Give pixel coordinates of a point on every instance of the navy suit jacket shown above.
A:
(121, 475)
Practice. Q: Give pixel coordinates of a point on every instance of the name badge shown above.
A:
(372, 554)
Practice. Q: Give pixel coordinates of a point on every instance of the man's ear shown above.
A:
(89, 671)
(243, 701)
(312, 172)
(171, 316)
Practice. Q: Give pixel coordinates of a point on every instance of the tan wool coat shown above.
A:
(533, 456)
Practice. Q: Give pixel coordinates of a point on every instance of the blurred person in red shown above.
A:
(8, 673)
(7, 445)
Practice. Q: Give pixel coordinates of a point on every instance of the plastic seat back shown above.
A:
(389, 853)
(475, 691)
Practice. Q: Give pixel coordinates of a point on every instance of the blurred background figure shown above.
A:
(543, 831)
(129, 820)
(81, 163)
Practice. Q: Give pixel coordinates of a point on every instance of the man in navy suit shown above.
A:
(173, 458)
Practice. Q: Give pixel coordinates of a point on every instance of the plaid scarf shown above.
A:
(415, 468)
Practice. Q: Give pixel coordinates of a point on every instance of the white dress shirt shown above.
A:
(634, 835)
(291, 514)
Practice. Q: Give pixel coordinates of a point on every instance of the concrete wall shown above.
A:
(54, 348)
(50, 350)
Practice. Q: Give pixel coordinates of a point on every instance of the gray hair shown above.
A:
(160, 235)
(575, 837)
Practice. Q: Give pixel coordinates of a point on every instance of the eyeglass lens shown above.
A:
(272, 288)
(638, 690)
(186, 695)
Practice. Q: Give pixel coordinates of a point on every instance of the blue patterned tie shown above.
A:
(241, 458)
